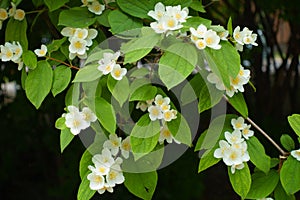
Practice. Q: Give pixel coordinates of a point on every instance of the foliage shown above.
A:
(124, 96)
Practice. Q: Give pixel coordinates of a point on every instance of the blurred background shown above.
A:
(31, 165)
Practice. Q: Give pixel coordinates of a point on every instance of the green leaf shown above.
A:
(85, 161)
(207, 160)
(137, 8)
(290, 175)
(29, 59)
(144, 93)
(106, 114)
(16, 31)
(119, 89)
(195, 22)
(240, 180)
(224, 62)
(136, 83)
(23, 77)
(38, 83)
(257, 154)
(72, 96)
(96, 55)
(84, 191)
(103, 18)
(239, 104)
(229, 26)
(88, 73)
(77, 17)
(180, 129)
(139, 73)
(279, 193)
(65, 138)
(136, 49)
(141, 185)
(121, 22)
(263, 184)
(177, 63)
(61, 79)
(294, 122)
(53, 5)
(287, 142)
(197, 6)
(60, 123)
(55, 45)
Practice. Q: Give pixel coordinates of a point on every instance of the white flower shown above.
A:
(68, 31)
(142, 105)
(238, 83)
(96, 8)
(220, 152)
(3, 14)
(239, 166)
(106, 187)
(213, 78)
(158, 12)
(42, 51)
(92, 34)
(118, 73)
(165, 107)
(296, 154)
(232, 156)
(88, 115)
(200, 32)
(113, 144)
(80, 33)
(158, 27)
(125, 147)
(19, 14)
(234, 137)
(238, 123)
(159, 100)
(244, 73)
(73, 55)
(155, 113)
(238, 35)
(168, 115)
(106, 67)
(75, 120)
(165, 134)
(96, 181)
(223, 35)
(177, 13)
(12, 10)
(212, 39)
(17, 49)
(170, 23)
(105, 158)
(246, 132)
(6, 53)
(115, 176)
(77, 46)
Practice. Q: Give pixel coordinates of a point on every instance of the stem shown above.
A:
(284, 154)
(62, 62)
(35, 11)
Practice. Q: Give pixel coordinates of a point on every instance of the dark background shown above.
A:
(32, 167)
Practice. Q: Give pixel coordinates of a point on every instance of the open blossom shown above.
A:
(238, 123)
(12, 52)
(88, 115)
(3, 14)
(96, 8)
(155, 112)
(118, 73)
(168, 19)
(42, 51)
(296, 154)
(125, 147)
(166, 135)
(96, 181)
(19, 14)
(234, 137)
(113, 144)
(202, 37)
(244, 37)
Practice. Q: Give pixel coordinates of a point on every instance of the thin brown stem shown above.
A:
(62, 62)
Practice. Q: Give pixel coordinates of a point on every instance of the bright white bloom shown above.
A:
(113, 144)
(239, 166)
(125, 147)
(19, 14)
(171, 23)
(75, 120)
(68, 31)
(77, 46)
(106, 67)
(158, 27)
(238, 35)
(200, 44)
(165, 107)
(142, 105)
(232, 156)
(212, 39)
(92, 34)
(106, 187)
(200, 32)
(246, 132)
(166, 135)
(6, 53)
(17, 49)
(118, 73)
(223, 35)
(42, 51)
(220, 152)
(238, 123)
(213, 78)
(155, 113)
(234, 137)
(158, 12)
(296, 154)
(103, 159)
(80, 33)
(96, 7)
(115, 176)
(160, 100)
(96, 181)
(244, 37)
(168, 115)
(3, 14)
(88, 115)
(177, 13)
(238, 83)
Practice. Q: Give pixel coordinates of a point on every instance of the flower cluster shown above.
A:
(205, 38)
(169, 18)
(93, 6)
(244, 37)
(17, 14)
(106, 172)
(77, 121)
(296, 154)
(236, 84)
(80, 39)
(108, 64)
(166, 135)
(233, 150)
(12, 52)
(161, 109)
(42, 51)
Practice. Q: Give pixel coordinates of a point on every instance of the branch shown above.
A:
(62, 62)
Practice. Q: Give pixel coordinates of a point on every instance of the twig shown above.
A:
(62, 62)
